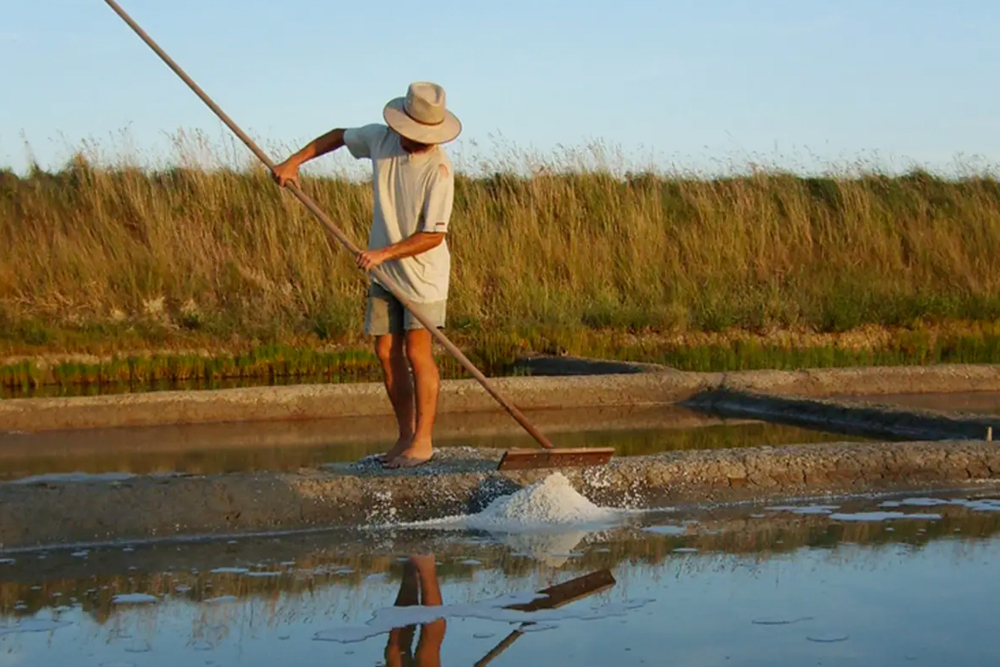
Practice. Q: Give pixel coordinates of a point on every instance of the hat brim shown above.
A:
(397, 118)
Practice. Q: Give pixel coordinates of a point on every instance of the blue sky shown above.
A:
(689, 84)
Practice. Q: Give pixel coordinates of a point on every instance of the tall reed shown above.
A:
(224, 253)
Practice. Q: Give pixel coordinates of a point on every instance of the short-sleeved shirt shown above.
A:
(412, 193)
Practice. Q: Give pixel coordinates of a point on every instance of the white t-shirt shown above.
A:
(412, 193)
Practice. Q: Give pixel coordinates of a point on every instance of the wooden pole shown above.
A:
(335, 231)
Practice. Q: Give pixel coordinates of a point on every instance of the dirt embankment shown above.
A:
(952, 452)
(464, 481)
(620, 388)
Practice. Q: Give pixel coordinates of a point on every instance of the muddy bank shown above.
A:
(462, 481)
(636, 387)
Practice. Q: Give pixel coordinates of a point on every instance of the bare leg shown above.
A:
(420, 353)
(396, 373)
(428, 653)
(397, 648)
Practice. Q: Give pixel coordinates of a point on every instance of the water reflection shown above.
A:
(290, 445)
(738, 585)
(418, 586)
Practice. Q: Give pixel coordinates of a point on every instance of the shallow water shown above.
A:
(244, 447)
(892, 581)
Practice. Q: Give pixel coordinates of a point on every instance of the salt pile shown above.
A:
(546, 520)
(550, 502)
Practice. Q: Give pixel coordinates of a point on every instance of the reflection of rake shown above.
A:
(557, 596)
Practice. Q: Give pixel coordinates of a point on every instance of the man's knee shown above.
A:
(419, 349)
(387, 348)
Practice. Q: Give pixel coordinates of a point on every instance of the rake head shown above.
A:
(522, 459)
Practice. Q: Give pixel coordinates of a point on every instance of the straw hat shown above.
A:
(421, 116)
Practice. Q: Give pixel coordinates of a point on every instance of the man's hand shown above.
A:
(369, 259)
(285, 172)
(416, 244)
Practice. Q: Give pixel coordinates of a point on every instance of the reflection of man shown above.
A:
(419, 586)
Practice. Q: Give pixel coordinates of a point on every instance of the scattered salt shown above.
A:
(881, 516)
(805, 509)
(666, 530)
(133, 598)
(916, 502)
(981, 505)
(984, 505)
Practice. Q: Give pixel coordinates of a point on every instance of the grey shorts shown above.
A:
(386, 315)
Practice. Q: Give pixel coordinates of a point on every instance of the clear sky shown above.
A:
(683, 83)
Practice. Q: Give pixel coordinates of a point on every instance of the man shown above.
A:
(413, 187)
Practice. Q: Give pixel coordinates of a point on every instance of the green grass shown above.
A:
(494, 355)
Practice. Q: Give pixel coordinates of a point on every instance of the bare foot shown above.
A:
(401, 446)
(418, 453)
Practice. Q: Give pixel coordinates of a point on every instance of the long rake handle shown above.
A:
(332, 229)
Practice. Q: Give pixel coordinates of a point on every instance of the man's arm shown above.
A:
(414, 245)
(327, 143)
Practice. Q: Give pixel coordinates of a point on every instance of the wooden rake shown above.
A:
(549, 456)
